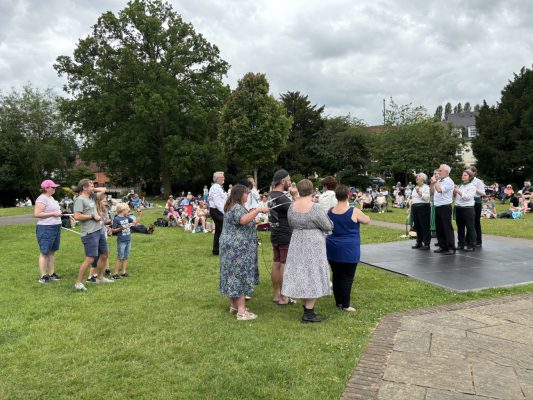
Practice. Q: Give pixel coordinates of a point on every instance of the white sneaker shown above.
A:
(104, 280)
(206, 231)
(193, 231)
(80, 286)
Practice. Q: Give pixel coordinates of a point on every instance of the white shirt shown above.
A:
(480, 186)
(446, 196)
(424, 198)
(327, 200)
(253, 199)
(217, 197)
(466, 199)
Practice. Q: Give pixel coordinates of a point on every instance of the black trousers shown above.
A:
(465, 218)
(342, 278)
(218, 219)
(422, 217)
(477, 211)
(443, 223)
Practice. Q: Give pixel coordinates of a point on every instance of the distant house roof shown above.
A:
(462, 120)
(376, 128)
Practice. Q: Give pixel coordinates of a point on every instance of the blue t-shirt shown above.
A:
(125, 234)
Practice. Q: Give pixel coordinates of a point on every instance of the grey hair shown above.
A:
(424, 176)
(216, 175)
(447, 167)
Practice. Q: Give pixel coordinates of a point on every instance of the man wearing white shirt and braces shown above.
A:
(217, 198)
(421, 210)
(443, 197)
(478, 203)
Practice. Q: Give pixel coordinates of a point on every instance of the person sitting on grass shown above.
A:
(508, 193)
(515, 210)
(122, 228)
(200, 216)
(174, 216)
(488, 209)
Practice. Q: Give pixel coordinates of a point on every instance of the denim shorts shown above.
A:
(123, 249)
(48, 237)
(95, 243)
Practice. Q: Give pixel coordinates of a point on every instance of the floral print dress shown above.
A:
(239, 272)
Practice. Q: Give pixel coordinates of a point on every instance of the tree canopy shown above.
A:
(145, 93)
(35, 143)
(505, 132)
(254, 127)
(298, 157)
(412, 142)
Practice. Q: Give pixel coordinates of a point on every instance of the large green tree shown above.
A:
(35, 142)
(342, 148)
(254, 127)
(505, 132)
(145, 90)
(411, 143)
(297, 156)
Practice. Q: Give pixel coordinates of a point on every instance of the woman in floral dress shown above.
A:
(239, 272)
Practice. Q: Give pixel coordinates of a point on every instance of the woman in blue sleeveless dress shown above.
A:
(343, 246)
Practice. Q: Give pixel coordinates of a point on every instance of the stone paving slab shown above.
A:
(477, 350)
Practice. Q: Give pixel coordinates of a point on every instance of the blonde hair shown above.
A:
(122, 207)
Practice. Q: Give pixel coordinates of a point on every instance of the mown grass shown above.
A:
(13, 211)
(165, 332)
(519, 228)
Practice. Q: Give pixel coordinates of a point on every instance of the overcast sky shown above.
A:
(347, 55)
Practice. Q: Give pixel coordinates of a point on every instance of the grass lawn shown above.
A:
(519, 228)
(12, 211)
(165, 332)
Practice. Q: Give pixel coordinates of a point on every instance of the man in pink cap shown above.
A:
(48, 230)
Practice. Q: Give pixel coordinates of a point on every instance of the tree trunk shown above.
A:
(163, 167)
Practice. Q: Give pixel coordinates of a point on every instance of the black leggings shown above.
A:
(342, 277)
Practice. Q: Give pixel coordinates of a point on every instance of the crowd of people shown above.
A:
(310, 234)
(315, 235)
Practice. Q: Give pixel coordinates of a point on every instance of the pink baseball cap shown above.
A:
(48, 184)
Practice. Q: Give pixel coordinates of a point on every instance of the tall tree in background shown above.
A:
(35, 143)
(297, 157)
(467, 107)
(505, 132)
(476, 108)
(342, 147)
(145, 93)
(438, 113)
(411, 142)
(447, 110)
(254, 127)
(459, 108)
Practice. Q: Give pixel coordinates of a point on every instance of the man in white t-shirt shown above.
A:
(443, 197)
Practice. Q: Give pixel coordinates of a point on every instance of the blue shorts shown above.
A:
(95, 244)
(123, 249)
(48, 237)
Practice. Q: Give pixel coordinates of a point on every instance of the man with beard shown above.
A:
(279, 202)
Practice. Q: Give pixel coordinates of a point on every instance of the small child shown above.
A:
(121, 226)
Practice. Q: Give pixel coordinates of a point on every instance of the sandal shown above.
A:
(233, 310)
(247, 316)
(289, 302)
(349, 309)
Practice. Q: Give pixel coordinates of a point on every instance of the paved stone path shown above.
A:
(17, 219)
(467, 351)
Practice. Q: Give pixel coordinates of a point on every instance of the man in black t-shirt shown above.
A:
(279, 204)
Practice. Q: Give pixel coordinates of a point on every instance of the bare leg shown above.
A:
(277, 281)
(83, 268)
(43, 262)
(51, 262)
(118, 264)
(102, 259)
(124, 265)
(309, 303)
(240, 302)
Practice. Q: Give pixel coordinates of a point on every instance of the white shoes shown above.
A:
(80, 286)
(104, 280)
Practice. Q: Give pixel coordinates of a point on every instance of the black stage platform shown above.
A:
(497, 264)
